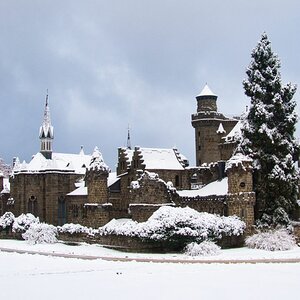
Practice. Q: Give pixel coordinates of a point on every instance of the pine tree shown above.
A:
(268, 136)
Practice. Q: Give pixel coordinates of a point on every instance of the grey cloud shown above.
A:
(110, 63)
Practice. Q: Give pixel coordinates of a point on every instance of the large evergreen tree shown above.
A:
(268, 135)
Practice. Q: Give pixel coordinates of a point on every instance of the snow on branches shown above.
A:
(268, 132)
(206, 248)
(272, 240)
(176, 223)
(40, 233)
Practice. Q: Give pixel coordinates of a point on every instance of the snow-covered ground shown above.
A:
(98, 250)
(25, 276)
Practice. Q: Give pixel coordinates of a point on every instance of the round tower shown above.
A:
(208, 131)
(206, 100)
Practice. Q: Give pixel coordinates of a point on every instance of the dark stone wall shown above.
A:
(39, 193)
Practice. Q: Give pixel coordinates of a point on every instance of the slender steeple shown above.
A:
(46, 132)
(128, 139)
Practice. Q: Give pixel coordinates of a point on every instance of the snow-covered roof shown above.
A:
(162, 159)
(76, 163)
(235, 132)
(206, 92)
(237, 159)
(112, 178)
(6, 186)
(218, 188)
(81, 191)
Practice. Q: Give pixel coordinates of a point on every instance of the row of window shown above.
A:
(46, 146)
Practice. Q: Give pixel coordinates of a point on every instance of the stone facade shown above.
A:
(147, 194)
(241, 198)
(42, 194)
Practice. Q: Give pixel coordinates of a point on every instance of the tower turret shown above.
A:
(206, 100)
(46, 133)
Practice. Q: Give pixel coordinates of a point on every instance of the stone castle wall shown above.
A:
(40, 193)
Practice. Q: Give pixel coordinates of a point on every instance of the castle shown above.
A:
(78, 188)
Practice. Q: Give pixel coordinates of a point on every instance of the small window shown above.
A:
(242, 185)
(177, 183)
(75, 210)
(243, 213)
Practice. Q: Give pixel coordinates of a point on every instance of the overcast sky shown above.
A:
(111, 63)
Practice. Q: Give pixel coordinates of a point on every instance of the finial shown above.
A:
(47, 98)
(128, 138)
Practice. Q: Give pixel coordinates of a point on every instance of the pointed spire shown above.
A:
(128, 139)
(46, 132)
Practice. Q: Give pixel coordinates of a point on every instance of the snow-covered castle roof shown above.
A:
(218, 188)
(6, 186)
(162, 159)
(235, 132)
(206, 91)
(64, 162)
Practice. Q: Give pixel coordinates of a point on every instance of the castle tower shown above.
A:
(241, 197)
(207, 126)
(96, 179)
(46, 133)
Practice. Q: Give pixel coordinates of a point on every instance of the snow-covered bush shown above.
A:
(40, 233)
(179, 226)
(74, 228)
(23, 222)
(272, 240)
(6, 220)
(205, 248)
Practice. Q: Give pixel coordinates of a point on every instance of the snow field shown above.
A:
(25, 276)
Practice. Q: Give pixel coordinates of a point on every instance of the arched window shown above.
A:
(62, 211)
(32, 205)
(243, 213)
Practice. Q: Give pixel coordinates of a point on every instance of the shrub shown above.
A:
(7, 220)
(23, 222)
(74, 228)
(205, 248)
(40, 233)
(272, 240)
(178, 226)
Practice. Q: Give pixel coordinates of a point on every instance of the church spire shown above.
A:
(46, 132)
(128, 139)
